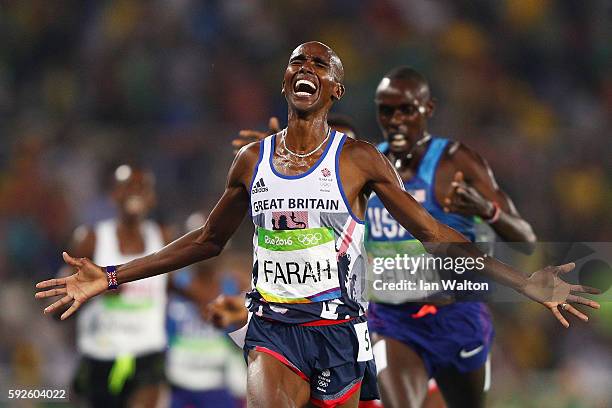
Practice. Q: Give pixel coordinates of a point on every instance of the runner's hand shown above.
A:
(226, 311)
(466, 200)
(88, 281)
(247, 136)
(546, 287)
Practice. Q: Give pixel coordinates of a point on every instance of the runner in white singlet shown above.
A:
(121, 336)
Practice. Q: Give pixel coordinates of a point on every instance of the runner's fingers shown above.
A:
(73, 308)
(465, 199)
(274, 125)
(50, 293)
(559, 317)
(583, 301)
(217, 318)
(472, 192)
(76, 262)
(457, 185)
(460, 191)
(585, 289)
(211, 310)
(562, 269)
(206, 312)
(451, 192)
(53, 306)
(252, 134)
(244, 139)
(51, 282)
(457, 202)
(240, 142)
(571, 309)
(453, 199)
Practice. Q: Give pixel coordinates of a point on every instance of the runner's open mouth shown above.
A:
(304, 87)
(398, 140)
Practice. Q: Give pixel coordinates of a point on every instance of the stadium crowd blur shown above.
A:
(85, 84)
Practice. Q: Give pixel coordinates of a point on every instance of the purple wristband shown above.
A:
(111, 276)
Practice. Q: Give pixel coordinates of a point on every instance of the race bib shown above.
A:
(297, 266)
(365, 343)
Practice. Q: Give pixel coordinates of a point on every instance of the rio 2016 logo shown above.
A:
(278, 241)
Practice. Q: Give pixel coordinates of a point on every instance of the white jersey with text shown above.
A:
(131, 320)
(309, 261)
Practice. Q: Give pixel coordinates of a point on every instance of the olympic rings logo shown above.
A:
(310, 239)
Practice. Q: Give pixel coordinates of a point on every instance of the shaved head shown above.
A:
(124, 172)
(408, 75)
(404, 106)
(334, 59)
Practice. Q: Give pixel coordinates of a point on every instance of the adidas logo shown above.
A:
(259, 187)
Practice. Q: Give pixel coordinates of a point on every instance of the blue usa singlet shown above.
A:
(382, 227)
(457, 335)
(385, 237)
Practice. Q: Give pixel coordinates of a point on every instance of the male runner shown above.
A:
(307, 339)
(121, 335)
(416, 341)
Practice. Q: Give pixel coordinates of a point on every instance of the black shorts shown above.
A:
(326, 356)
(92, 379)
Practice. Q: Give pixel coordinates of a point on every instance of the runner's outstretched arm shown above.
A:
(544, 286)
(205, 242)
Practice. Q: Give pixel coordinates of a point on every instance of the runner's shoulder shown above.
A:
(365, 159)
(249, 152)
(361, 151)
(245, 160)
(464, 157)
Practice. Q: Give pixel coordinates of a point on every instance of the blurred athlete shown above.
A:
(446, 340)
(121, 335)
(203, 366)
(308, 339)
